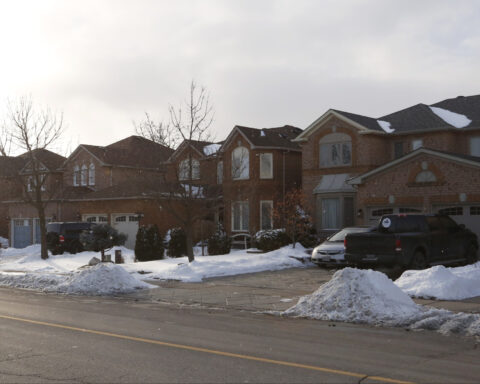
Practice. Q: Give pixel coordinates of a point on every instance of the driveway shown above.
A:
(263, 291)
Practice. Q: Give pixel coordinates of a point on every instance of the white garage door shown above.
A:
(463, 214)
(127, 224)
(96, 218)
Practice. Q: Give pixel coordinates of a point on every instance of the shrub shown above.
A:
(271, 239)
(308, 238)
(176, 242)
(219, 243)
(148, 244)
(102, 237)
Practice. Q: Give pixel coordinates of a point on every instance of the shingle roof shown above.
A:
(464, 105)
(367, 122)
(272, 137)
(10, 166)
(51, 160)
(134, 151)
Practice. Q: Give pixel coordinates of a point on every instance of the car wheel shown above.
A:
(419, 261)
(471, 254)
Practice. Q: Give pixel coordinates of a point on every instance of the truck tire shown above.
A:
(471, 254)
(419, 261)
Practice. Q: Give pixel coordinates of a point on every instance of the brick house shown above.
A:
(258, 167)
(421, 159)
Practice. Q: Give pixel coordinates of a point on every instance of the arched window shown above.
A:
(240, 163)
(76, 176)
(83, 175)
(335, 150)
(91, 174)
(425, 177)
(184, 169)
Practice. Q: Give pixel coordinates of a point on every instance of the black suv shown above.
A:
(65, 236)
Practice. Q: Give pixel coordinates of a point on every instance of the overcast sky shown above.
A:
(265, 63)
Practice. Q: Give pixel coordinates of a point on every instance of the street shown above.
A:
(51, 338)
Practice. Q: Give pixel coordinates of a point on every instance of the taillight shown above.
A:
(345, 242)
(398, 245)
(61, 239)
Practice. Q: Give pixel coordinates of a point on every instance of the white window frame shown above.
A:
(269, 202)
(184, 169)
(91, 174)
(269, 175)
(83, 175)
(245, 164)
(76, 174)
(417, 143)
(325, 146)
(475, 146)
(243, 205)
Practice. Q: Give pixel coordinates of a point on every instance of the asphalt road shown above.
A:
(50, 338)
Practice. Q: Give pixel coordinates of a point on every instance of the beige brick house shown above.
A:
(421, 159)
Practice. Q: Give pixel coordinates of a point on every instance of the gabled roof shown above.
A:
(279, 138)
(464, 159)
(198, 146)
(417, 118)
(134, 151)
(11, 166)
(49, 159)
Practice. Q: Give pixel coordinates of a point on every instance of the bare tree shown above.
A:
(34, 130)
(158, 132)
(5, 142)
(186, 198)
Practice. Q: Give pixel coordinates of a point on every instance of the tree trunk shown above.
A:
(189, 233)
(43, 232)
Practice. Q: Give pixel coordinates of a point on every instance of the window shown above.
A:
(220, 172)
(240, 163)
(475, 146)
(120, 219)
(83, 175)
(266, 214)
(474, 211)
(335, 150)
(266, 165)
(418, 143)
(91, 174)
(382, 211)
(425, 177)
(31, 183)
(451, 211)
(240, 215)
(184, 169)
(92, 219)
(76, 175)
(330, 213)
(398, 149)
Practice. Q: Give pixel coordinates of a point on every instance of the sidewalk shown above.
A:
(264, 291)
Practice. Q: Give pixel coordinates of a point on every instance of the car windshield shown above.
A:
(340, 236)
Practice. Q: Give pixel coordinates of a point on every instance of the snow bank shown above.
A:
(102, 279)
(369, 297)
(442, 283)
(211, 149)
(452, 118)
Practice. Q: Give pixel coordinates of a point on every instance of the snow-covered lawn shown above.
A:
(24, 268)
(370, 297)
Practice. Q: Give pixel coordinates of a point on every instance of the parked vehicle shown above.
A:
(413, 241)
(332, 251)
(3, 242)
(65, 236)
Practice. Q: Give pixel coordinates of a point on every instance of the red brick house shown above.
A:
(421, 159)
(258, 167)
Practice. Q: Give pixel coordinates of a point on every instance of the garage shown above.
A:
(126, 223)
(22, 233)
(96, 218)
(463, 214)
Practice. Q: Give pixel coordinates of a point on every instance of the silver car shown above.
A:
(332, 251)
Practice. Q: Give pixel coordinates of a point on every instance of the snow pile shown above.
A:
(452, 118)
(442, 283)
(358, 296)
(369, 297)
(102, 279)
(211, 149)
(386, 126)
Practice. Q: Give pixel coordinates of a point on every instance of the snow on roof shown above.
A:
(452, 118)
(262, 133)
(386, 126)
(211, 149)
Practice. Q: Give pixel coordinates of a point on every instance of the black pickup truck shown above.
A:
(412, 241)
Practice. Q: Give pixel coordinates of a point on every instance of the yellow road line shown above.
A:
(206, 350)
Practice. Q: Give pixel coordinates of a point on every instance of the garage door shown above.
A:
(97, 218)
(22, 233)
(463, 214)
(127, 224)
(375, 213)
